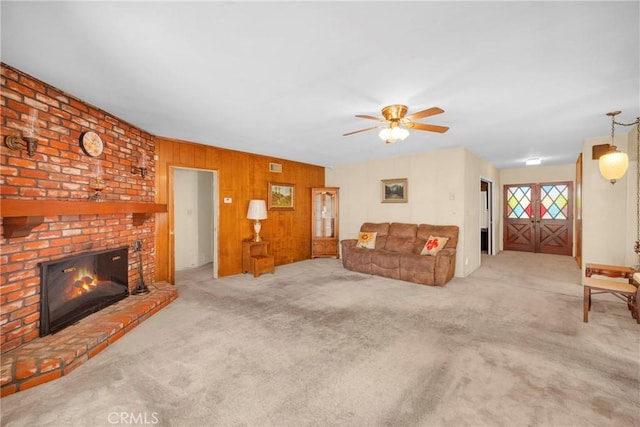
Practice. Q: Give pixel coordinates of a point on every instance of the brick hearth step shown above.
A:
(45, 359)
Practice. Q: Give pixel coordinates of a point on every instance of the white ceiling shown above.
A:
(285, 79)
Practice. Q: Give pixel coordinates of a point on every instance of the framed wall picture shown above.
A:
(282, 197)
(395, 190)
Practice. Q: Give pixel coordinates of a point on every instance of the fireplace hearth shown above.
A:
(75, 287)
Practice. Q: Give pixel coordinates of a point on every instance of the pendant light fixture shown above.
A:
(613, 164)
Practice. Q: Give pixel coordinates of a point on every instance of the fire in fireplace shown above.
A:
(74, 287)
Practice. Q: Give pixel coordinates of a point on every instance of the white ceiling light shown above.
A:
(533, 161)
(393, 134)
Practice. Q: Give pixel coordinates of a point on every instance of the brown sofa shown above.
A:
(397, 253)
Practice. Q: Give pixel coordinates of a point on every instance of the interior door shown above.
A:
(539, 218)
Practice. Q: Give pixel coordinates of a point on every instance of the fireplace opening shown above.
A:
(75, 287)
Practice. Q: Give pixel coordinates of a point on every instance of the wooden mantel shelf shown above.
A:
(20, 216)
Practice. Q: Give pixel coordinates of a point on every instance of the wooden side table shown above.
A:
(624, 291)
(609, 271)
(630, 293)
(256, 258)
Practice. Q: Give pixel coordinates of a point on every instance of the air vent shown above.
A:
(275, 167)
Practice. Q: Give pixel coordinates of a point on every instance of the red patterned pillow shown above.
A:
(434, 245)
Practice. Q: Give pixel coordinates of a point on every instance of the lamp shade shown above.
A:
(257, 209)
(613, 164)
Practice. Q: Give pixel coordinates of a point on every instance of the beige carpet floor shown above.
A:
(317, 345)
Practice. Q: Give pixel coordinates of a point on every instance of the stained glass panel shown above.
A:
(519, 202)
(554, 201)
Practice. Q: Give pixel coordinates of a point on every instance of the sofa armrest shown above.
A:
(445, 266)
(346, 246)
(349, 243)
(447, 253)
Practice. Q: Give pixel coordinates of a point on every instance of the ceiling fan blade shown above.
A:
(362, 130)
(365, 116)
(425, 113)
(432, 128)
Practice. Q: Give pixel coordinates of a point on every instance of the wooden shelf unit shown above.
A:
(20, 216)
(324, 222)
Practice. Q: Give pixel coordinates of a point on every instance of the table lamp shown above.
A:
(257, 211)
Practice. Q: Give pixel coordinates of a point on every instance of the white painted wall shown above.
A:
(609, 211)
(443, 189)
(534, 174)
(205, 217)
(185, 218)
(476, 168)
(193, 218)
(631, 258)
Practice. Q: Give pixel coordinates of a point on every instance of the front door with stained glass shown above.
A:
(539, 218)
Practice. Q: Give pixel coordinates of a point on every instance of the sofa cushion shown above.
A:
(426, 230)
(386, 264)
(358, 260)
(401, 237)
(381, 230)
(434, 245)
(417, 268)
(366, 240)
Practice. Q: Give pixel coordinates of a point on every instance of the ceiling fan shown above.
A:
(396, 122)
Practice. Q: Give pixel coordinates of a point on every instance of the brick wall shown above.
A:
(60, 170)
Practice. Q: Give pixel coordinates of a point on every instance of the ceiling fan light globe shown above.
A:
(399, 133)
(393, 134)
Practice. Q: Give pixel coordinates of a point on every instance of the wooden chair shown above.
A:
(630, 293)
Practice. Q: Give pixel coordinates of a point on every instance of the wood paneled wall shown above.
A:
(242, 177)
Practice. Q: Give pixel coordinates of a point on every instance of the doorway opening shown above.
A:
(486, 217)
(194, 236)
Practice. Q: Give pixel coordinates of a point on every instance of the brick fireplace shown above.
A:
(45, 199)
